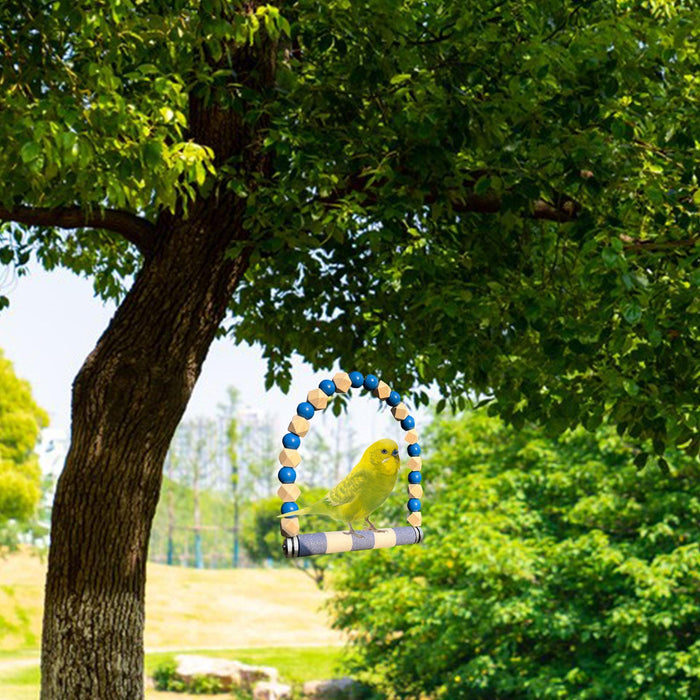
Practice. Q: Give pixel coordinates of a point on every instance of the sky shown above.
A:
(54, 320)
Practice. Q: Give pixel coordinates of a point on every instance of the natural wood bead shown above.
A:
(299, 426)
(318, 399)
(415, 519)
(289, 527)
(400, 411)
(414, 464)
(382, 391)
(342, 381)
(288, 492)
(411, 436)
(415, 491)
(289, 458)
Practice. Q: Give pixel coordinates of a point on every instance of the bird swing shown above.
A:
(304, 545)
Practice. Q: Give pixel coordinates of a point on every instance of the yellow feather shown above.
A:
(363, 490)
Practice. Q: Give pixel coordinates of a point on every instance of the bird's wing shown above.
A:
(348, 488)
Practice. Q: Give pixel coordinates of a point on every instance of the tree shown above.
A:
(20, 477)
(554, 568)
(499, 198)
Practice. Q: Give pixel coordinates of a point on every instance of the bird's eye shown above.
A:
(384, 452)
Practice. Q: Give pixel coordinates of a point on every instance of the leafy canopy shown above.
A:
(500, 198)
(20, 422)
(553, 568)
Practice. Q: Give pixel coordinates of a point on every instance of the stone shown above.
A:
(269, 690)
(230, 674)
(191, 666)
(250, 675)
(332, 689)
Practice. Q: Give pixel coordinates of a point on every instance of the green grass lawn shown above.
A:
(271, 617)
(295, 664)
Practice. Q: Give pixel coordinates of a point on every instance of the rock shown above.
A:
(226, 672)
(332, 689)
(230, 674)
(250, 675)
(271, 690)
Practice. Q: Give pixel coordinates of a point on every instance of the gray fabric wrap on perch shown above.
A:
(333, 542)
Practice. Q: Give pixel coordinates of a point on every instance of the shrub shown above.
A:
(552, 568)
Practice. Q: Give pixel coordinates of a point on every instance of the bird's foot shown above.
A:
(354, 533)
(372, 527)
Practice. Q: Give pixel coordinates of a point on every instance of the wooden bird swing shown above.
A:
(304, 545)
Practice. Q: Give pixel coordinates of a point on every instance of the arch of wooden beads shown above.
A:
(317, 400)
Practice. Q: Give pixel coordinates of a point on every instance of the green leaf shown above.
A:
(632, 313)
(30, 151)
(200, 172)
(641, 459)
(153, 154)
(483, 184)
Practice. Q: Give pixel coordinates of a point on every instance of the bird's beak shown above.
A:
(395, 453)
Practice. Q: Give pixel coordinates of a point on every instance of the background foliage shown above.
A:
(552, 568)
(20, 477)
(412, 147)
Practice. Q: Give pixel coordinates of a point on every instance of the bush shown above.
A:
(204, 685)
(165, 677)
(552, 568)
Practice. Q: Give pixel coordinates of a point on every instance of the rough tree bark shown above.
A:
(127, 401)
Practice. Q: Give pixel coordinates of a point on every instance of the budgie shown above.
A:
(363, 490)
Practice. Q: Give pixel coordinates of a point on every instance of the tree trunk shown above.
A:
(129, 397)
(127, 401)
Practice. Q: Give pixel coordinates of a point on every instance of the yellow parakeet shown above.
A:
(363, 490)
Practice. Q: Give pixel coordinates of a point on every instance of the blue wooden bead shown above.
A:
(289, 507)
(408, 423)
(356, 378)
(414, 477)
(371, 382)
(305, 410)
(287, 475)
(394, 398)
(291, 441)
(413, 504)
(327, 386)
(414, 449)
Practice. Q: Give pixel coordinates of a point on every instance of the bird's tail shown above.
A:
(301, 511)
(319, 508)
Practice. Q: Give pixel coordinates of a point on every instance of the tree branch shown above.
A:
(637, 245)
(133, 228)
(564, 210)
